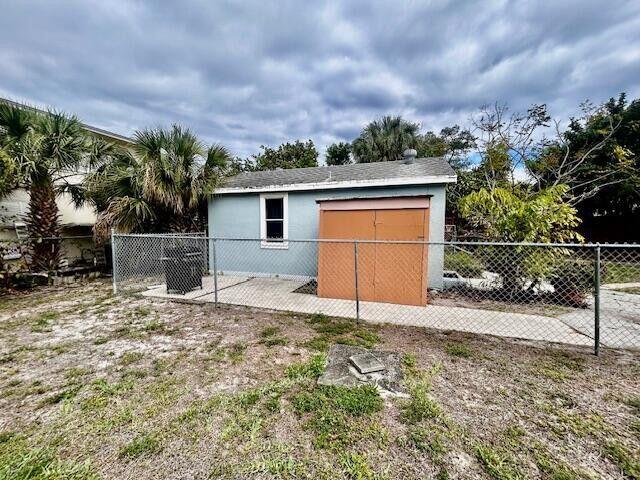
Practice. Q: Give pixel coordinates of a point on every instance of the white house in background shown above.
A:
(76, 222)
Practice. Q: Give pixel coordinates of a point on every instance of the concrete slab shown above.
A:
(160, 291)
(366, 363)
(278, 294)
(340, 371)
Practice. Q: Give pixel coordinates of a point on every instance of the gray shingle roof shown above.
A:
(358, 172)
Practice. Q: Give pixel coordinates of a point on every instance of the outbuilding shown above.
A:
(400, 200)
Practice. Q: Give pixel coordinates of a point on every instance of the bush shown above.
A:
(572, 281)
(464, 263)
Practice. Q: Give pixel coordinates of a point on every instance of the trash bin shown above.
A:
(182, 268)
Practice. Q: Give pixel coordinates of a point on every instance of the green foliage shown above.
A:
(572, 280)
(270, 337)
(159, 185)
(141, 445)
(19, 462)
(452, 142)
(626, 460)
(7, 172)
(466, 264)
(598, 157)
(338, 154)
(385, 139)
(518, 215)
(311, 369)
(420, 406)
(38, 150)
(500, 465)
(341, 331)
(334, 412)
(458, 349)
(288, 155)
(356, 466)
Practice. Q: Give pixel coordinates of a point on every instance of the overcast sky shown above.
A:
(261, 72)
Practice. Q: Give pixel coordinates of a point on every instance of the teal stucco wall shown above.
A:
(238, 216)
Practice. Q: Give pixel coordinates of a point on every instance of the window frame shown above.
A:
(264, 243)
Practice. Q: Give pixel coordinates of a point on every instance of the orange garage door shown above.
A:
(391, 273)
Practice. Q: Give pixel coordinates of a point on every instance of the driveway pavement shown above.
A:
(619, 319)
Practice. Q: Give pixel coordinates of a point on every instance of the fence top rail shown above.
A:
(173, 236)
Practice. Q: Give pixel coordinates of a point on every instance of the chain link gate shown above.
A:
(568, 293)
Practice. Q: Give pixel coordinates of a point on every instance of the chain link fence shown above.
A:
(569, 293)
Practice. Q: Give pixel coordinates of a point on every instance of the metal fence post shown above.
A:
(596, 300)
(355, 263)
(215, 271)
(113, 262)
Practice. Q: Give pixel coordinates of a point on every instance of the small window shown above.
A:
(273, 220)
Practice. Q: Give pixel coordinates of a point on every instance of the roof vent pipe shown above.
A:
(409, 156)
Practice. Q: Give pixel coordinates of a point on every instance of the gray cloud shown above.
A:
(252, 73)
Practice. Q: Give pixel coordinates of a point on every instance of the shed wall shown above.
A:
(238, 216)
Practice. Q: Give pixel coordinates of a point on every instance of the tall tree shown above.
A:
(598, 157)
(385, 139)
(454, 143)
(288, 155)
(161, 184)
(338, 154)
(47, 149)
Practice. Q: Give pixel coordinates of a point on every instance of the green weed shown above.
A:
(142, 445)
(498, 464)
(19, 462)
(311, 369)
(128, 358)
(458, 349)
(627, 461)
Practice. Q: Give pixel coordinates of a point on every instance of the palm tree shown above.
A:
(385, 139)
(47, 149)
(160, 185)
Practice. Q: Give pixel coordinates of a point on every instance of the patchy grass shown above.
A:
(128, 358)
(621, 273)
(624, 458)
(42, 322)
(77, 399)
(631, 290)
(334, 414)
(311, 369)
(498, 464)
(142, 445)
(18, 461)
(270, 336)
(336, 330)
(457, 349)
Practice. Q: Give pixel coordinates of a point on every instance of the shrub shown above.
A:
(572, 281)
(464, 263)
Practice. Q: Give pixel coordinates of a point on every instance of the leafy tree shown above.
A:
(520, 215)
(47, 149)
(338, 154)
(288, 155)
(453, 143)
(598, 157)
(161, 184)
(385, 139)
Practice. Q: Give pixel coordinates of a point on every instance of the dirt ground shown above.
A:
(97, 386)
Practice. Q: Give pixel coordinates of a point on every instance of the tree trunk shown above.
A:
(43, 224)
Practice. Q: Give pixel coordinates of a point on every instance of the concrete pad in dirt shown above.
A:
(208, 288)
(341, 372)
